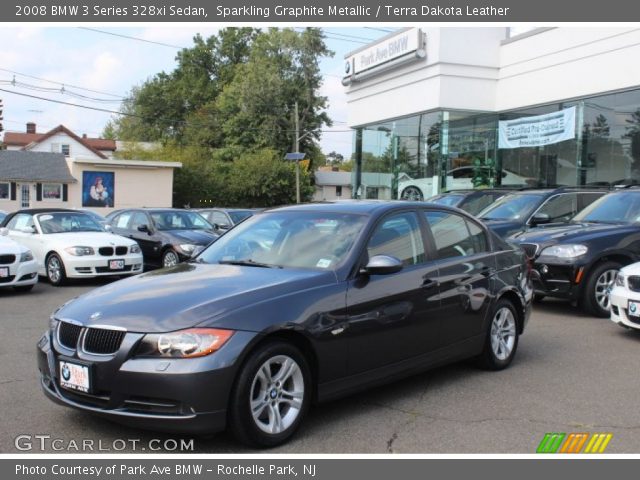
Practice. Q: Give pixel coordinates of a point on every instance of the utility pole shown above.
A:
(297, 150)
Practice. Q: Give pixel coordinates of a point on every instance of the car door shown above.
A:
(148, 240)
(393, 317)
(465, 266)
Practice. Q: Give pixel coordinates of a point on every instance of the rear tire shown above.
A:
(271, 395)
(501, 340)
(595, 295)
(170, 259)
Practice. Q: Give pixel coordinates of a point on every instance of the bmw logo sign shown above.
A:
(633, 308)
(66, 373)
(347, 68)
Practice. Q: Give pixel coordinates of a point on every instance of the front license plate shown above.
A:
(74, 376)
(4, 272)
(116, 264)
(634, 309)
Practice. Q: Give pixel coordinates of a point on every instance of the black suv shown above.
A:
(530, 208)
(579, 261)
(166, 236)
(471, 201)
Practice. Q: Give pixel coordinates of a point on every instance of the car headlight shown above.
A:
(620, 280)
(187, 248)
(26, 256)
(564, 251)
(79, 251)
(193, 342)
(134, 248)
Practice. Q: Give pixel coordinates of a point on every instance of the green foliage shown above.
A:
(226, 113)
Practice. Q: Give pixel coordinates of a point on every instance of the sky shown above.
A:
(69, 63)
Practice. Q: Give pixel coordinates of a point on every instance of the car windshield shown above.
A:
(238, 215)
(623, 207)
(179, 220)
(67, 222)
(450, 200)
(316, 240)
(511, 207)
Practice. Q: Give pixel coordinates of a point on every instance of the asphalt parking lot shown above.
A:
(573, 373)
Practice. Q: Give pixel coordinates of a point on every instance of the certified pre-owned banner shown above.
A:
(538, 131)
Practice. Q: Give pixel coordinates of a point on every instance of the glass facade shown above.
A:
(418, 156)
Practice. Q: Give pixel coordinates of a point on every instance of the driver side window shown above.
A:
(454, 235)
(399, 236)
(20, 221)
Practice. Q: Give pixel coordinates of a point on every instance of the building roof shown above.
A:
(333, 178)
(24, 140)
(26, 166)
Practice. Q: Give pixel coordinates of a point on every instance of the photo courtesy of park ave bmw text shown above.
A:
(282, 239)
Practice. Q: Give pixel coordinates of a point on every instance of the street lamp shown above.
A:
(296, 157)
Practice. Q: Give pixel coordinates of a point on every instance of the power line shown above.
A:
(126, 114)
(132, 38)
(380, 29)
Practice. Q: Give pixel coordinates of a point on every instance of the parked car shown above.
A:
(528, 209)
(461, 178)
(625, 297)
(579, 261)
(70, 244)
(247, 337)
(18, 268)
(96, 216)
(167, 236)
(225, 218)
(471, 201)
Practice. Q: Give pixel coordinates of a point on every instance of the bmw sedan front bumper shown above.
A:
(187, 396)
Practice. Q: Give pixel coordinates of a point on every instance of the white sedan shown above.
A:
(18, 269)
(71, 244)
(625, 297)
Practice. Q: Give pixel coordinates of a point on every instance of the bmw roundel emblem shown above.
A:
(347, 67)
(95, 315)
(632, 308)
(66, 373)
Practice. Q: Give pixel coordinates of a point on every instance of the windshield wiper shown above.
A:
(248, 263)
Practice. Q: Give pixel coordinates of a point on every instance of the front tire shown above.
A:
(271, 395)
(56, 272)
(501, 341)
(595, 296)
(170, 259)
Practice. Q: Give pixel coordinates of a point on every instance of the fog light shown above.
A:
(544, 269)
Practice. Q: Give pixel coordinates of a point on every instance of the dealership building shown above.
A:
(446, 108)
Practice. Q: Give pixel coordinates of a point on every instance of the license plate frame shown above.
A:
(74, 376)
(4, 272)
(116, 264)
(633, 309)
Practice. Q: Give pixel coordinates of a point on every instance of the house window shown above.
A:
(372, 193)
(338, 190)
(51, 191)
(5, 190)
(66, 149)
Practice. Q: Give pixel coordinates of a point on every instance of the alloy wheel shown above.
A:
(169, 259)
(604, 283)
(54, 269)
(277, 394)
(412, 194)
(503, 333)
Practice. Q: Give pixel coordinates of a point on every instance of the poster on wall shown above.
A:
(98, 189)
(539, 130)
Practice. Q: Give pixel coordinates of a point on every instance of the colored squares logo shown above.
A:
(574, 443)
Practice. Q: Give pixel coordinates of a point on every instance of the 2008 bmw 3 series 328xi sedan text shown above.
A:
(293, 306)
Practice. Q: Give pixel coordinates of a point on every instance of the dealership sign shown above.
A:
(539, 130)
(407, 42)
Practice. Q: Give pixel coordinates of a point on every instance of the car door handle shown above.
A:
(430, 283)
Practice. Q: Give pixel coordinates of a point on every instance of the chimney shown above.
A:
(31, 127)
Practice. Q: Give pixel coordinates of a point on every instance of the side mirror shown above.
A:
(224, 226)
(4, 232)
(107, 227)
(382, 265)
(539, 219)
(144, 228)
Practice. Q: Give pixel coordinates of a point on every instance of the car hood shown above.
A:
(504, 228)
(88, 239)
(574, 233)
(8, 246)
(186, 295)
(196, 237)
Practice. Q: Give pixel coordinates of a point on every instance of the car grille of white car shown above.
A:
(108, 251)
(7, 259)
(634, 283)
